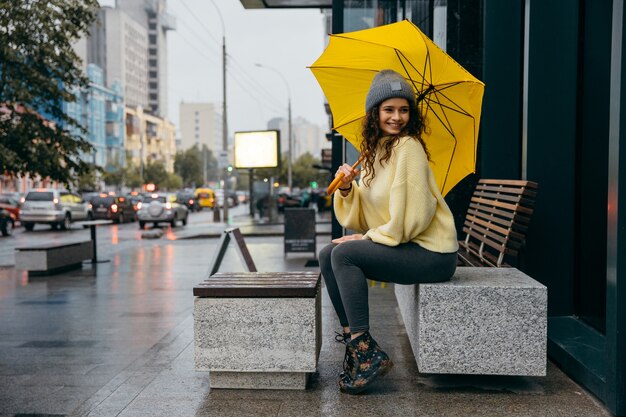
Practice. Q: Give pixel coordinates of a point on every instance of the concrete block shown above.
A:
(483, 321)
(51, 257)
(276, 337)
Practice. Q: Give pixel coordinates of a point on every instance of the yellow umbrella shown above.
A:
(447, 94)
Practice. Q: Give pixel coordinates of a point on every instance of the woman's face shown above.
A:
(394, 115)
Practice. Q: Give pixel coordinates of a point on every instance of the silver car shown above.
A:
(161, 208)
(53, 207)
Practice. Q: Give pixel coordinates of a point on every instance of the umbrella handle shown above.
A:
(337, 181)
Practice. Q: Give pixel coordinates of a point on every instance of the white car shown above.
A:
(161, 208)
(53, 207)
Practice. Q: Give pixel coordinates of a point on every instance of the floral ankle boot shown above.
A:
(365, 361)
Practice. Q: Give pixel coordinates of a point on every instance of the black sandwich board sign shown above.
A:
(299, 230)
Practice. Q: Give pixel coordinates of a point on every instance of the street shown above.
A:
(114, 238)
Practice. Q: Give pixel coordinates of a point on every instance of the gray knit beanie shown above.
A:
(388, 84)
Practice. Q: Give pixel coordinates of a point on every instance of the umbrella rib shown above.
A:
(402, 58)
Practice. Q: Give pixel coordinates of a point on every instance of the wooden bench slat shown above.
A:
(477, 215)
(503, 205)
(517, 199)
(303, 284)
(505, 232)
(525, 183)
(515, 217)
(496, 221)
(508, 190)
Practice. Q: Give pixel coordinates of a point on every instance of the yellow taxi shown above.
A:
(205, 198)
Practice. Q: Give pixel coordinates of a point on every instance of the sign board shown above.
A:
(327, 156)
(257, 149)
(222, 159)
(299, 230)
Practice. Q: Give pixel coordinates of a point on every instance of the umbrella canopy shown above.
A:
(448, 95)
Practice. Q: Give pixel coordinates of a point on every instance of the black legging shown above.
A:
(347, 266)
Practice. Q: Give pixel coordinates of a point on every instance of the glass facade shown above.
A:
(548, 102)
(100, 111)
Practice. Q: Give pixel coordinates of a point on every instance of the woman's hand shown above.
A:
(349, 175)
(356, 236)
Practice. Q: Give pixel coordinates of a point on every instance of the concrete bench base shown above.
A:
(259, 380)
(487, 321)
(258, 342)
(53, 258)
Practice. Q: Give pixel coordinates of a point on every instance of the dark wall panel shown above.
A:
(500, 130)
(551, 147)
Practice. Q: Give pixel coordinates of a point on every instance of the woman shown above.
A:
(406, 230)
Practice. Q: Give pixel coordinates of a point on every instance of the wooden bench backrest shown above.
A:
(497, 219)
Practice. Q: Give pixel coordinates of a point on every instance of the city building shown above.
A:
(200, 124)
(97, 109)
(152, 15)
(119, 45)
(307, 137)
(552, 113)
(149, 139)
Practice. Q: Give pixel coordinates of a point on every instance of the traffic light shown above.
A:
(229, 168)
(314, 184)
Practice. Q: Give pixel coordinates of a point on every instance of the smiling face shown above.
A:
(394, 115)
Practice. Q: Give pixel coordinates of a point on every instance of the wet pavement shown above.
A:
(116, 339)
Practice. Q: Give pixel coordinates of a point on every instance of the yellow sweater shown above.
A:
(402, 204)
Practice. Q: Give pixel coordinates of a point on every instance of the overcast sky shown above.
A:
(286, 40)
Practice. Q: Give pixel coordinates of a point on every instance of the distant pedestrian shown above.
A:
(406, 232)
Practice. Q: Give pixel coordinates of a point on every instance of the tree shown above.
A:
(303, 173)
(155, 173)
(172, 182)
(114, 175)
(88, 181)
(213, 172)
(39, 70)
(188, 165)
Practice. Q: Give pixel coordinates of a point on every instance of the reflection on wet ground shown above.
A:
(116, 338)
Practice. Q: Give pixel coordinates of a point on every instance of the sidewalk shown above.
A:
(117, 340)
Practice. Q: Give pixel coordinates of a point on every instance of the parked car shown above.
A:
(161, 208)
(205, 197)
(53, 207)
(189, 200)
(135, 198)
(285, 200)
(11, 205)
(6, 222)
(111, 207)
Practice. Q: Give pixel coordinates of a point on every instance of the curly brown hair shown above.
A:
(372, 133)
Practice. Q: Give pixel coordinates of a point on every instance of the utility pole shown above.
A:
(223, 174)
(224, 122)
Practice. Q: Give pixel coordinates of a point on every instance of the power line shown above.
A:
(218, 43)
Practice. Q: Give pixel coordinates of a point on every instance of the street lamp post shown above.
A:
(289, 135)
(224, 114)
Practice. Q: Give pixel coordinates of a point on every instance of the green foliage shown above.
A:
(115, 175)
(155, 173)
(302, 172)
(188, 165)
(39, 70)
(133, 178)
(172, 182)
(88, 180)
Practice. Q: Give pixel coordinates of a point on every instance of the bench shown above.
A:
(489, 319)
(485, 321)
(52, 258)
(258, 330)
(496, 222)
